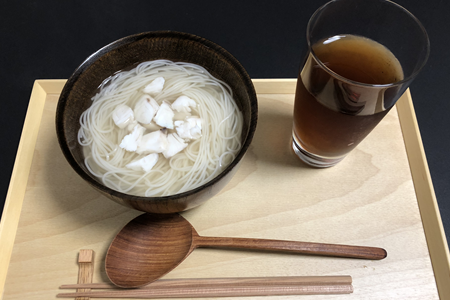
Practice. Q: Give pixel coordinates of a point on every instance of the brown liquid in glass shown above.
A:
(330, 118)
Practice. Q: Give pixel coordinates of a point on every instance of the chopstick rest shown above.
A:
(85, 270)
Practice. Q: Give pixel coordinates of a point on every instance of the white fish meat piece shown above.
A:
(183, 104)
(122, 115)
(130, 141)
(175, 145)
(196, 126)
(189, 129)
(155, 87)
(183, 129)
(145, 109)
(146, 163)
(153, 142)
(164, 116)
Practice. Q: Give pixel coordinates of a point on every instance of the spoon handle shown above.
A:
(291, 247)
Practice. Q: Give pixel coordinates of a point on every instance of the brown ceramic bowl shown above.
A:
(121, 54)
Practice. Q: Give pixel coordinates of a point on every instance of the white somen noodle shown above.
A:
(203, 158)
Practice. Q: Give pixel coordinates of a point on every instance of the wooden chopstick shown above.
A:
(221, 287)
(227, 281)
(215, 292)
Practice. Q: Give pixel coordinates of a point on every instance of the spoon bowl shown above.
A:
(150, 246)
(147, 248)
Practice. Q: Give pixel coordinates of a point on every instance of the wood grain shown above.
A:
(214, 292)
(227, 282)
(429, 210)
(221, 287)
(17, 186)
(367, 199)
(292, 247)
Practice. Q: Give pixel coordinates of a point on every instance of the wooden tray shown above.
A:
(380, 195)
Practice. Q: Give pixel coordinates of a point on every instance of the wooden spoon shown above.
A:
(150, 246)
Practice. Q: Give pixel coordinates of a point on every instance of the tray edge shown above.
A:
(426, 198)
(21, 170)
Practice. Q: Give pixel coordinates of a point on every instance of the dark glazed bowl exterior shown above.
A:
(129, 51)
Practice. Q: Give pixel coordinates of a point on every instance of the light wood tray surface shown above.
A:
(380, 195)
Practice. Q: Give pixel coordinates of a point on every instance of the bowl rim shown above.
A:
(91, 59)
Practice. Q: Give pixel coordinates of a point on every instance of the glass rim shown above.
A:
(344, 79)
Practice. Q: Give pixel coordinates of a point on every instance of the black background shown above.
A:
(49, 39)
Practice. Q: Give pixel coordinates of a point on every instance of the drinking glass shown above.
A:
(340, 98)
